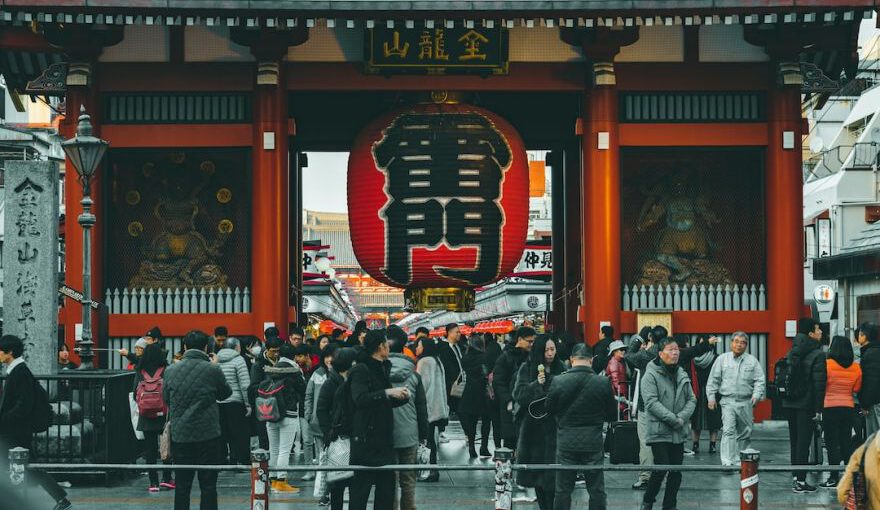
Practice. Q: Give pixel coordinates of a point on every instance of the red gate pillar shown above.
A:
(600, 206)
(784, 202)
(270, 228)
(270, 269)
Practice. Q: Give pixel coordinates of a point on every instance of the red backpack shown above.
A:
(150, 400)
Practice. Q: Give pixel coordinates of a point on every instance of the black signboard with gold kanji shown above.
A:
(436, 50)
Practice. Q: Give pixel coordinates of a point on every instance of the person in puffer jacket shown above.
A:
(410, 420)
(282, 434)
(234, 411)
(669, 403)
(313, 390)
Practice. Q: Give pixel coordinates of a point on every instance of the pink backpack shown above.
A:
(150, 400)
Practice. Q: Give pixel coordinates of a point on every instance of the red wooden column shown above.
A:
(270, 228)
(270, 273)
(600, 206)
(784, 205)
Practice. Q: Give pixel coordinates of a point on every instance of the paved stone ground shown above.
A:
(473, 490)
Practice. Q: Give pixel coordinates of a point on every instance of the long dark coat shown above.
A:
(474, 401)
(536, 443)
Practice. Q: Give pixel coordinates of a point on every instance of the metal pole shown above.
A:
(749, 479)
(86, 221)
(503, 479)
(259, 480)
(18, 461)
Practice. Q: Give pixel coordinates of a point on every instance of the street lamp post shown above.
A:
(85, 153)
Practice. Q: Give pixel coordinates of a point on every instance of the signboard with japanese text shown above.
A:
(436, 50)
(536, 262)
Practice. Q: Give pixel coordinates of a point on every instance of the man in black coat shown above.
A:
(504, 379)
(17, 412)
(869, 397)
(581, 402)
(807, 361)
(450, 356)
(372, 427)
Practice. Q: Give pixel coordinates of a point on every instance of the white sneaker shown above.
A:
(443, 438)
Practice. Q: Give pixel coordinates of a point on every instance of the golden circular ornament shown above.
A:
(225, 226)
(135, 229)
(224, 195)
(177, 157)
(147, 169)
(133, 197)
(208, 167)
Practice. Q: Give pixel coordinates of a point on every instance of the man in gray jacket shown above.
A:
(738, 377)
(669, 403)
(410, 419)
(192, 388)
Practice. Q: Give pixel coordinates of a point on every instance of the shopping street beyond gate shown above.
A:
(473, 490)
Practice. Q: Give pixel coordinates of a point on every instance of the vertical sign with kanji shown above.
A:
(30, 260)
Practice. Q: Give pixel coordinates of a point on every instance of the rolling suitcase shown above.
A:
(622, 441)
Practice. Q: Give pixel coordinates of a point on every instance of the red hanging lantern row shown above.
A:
(438, 202)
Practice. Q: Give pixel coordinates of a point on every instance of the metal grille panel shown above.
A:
(692, 107)
(179, 108)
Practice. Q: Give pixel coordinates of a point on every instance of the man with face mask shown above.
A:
(669, 403)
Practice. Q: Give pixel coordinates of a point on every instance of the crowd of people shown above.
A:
(389, 397)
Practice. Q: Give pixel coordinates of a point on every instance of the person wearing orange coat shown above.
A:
(616, 371)
(844, 379)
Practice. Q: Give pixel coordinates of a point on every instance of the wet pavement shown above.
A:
(474, 490)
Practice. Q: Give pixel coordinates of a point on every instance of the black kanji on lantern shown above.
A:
(443, 178)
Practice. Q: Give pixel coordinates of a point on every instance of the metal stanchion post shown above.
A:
(18, 461)
(503, 479)
(749, 479)
(260, 480)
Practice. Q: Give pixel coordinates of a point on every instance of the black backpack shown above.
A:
(790, 380)
(271, 403)
(41, 414)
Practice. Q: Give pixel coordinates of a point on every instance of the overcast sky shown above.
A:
(324, 182)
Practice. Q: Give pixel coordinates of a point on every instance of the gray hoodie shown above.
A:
(410, 419)
(236, 373)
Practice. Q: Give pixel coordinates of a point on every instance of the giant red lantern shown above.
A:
(438, 197)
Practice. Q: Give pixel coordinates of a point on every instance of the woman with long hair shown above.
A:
(844, 379)
(151, 365)
(474, 405)
(333, 409)
(434, 381)
(357, 335)
(703, 418)
(537, 430)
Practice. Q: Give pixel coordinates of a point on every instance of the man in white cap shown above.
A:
(738, 377)
(133, 357)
